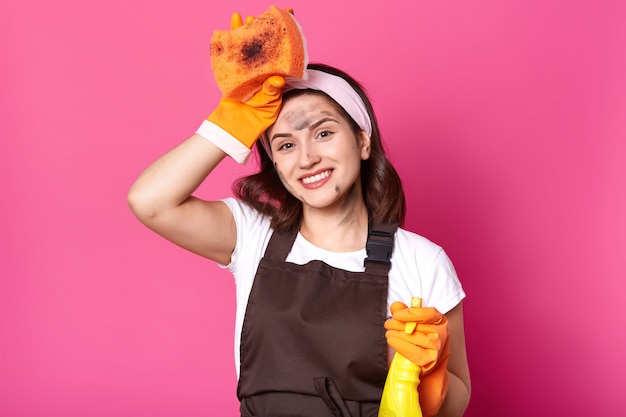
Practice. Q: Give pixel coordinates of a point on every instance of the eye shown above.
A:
(285, 146)
(324, 134)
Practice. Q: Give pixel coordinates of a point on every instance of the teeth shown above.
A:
(316, 178)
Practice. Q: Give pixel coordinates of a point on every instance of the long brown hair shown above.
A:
(381, 184)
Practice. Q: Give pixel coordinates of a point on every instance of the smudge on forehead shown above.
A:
(297, 119)
(297, 115)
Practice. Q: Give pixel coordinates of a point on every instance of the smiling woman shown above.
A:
(313, 144)
(339, 98)
(315, 243)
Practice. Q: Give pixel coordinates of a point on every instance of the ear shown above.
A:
(365, 143)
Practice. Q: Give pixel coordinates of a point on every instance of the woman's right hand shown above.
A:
(246, 121)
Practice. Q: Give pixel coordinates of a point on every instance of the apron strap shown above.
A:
(280, 244)
(328, 391)
(379, 247)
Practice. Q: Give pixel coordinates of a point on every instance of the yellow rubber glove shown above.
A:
(427, 346)
(246, 121)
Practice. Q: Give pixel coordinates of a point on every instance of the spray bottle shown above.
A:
(400, 397)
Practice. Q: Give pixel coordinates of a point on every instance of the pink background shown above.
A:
(506, 119)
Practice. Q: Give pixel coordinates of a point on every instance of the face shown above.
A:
(317, 154)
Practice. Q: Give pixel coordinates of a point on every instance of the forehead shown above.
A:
(298, 109)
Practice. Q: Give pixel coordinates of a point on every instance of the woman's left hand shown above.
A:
(424, 345)
(424, 341)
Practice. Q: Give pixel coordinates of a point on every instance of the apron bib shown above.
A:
(313, 342)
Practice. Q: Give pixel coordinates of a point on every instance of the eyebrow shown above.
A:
(311, 127)
(322, 121)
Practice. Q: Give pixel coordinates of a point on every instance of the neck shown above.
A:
(337, 231)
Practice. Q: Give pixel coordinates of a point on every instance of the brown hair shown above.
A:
(381, 184)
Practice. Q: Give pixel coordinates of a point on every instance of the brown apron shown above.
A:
(313, 342)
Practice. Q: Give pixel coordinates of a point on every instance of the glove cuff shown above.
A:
(433, 387)
(225, 141)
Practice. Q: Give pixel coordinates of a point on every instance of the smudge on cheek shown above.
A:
(337, 188)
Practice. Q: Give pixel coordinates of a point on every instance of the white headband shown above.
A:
(336, 88)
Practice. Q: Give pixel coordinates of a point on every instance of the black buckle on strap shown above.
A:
(379, 247)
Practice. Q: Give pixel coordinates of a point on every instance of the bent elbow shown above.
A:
(141, 205)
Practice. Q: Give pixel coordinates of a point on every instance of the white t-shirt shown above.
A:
(419, 267)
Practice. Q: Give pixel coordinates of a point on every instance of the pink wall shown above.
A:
(505, 119)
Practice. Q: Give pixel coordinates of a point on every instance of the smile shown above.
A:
(316, 178)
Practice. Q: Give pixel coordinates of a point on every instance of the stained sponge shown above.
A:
(271, 44)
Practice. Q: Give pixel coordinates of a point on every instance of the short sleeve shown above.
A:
(446, 291)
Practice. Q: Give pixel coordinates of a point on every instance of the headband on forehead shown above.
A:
(336, 88)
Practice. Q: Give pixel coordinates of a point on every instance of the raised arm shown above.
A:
(161, 198)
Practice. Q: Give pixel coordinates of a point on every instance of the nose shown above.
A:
(308, 156)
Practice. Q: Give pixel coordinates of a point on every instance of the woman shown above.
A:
(314, 244)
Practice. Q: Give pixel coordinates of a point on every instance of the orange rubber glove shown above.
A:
(427, 346)
(246, 120)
